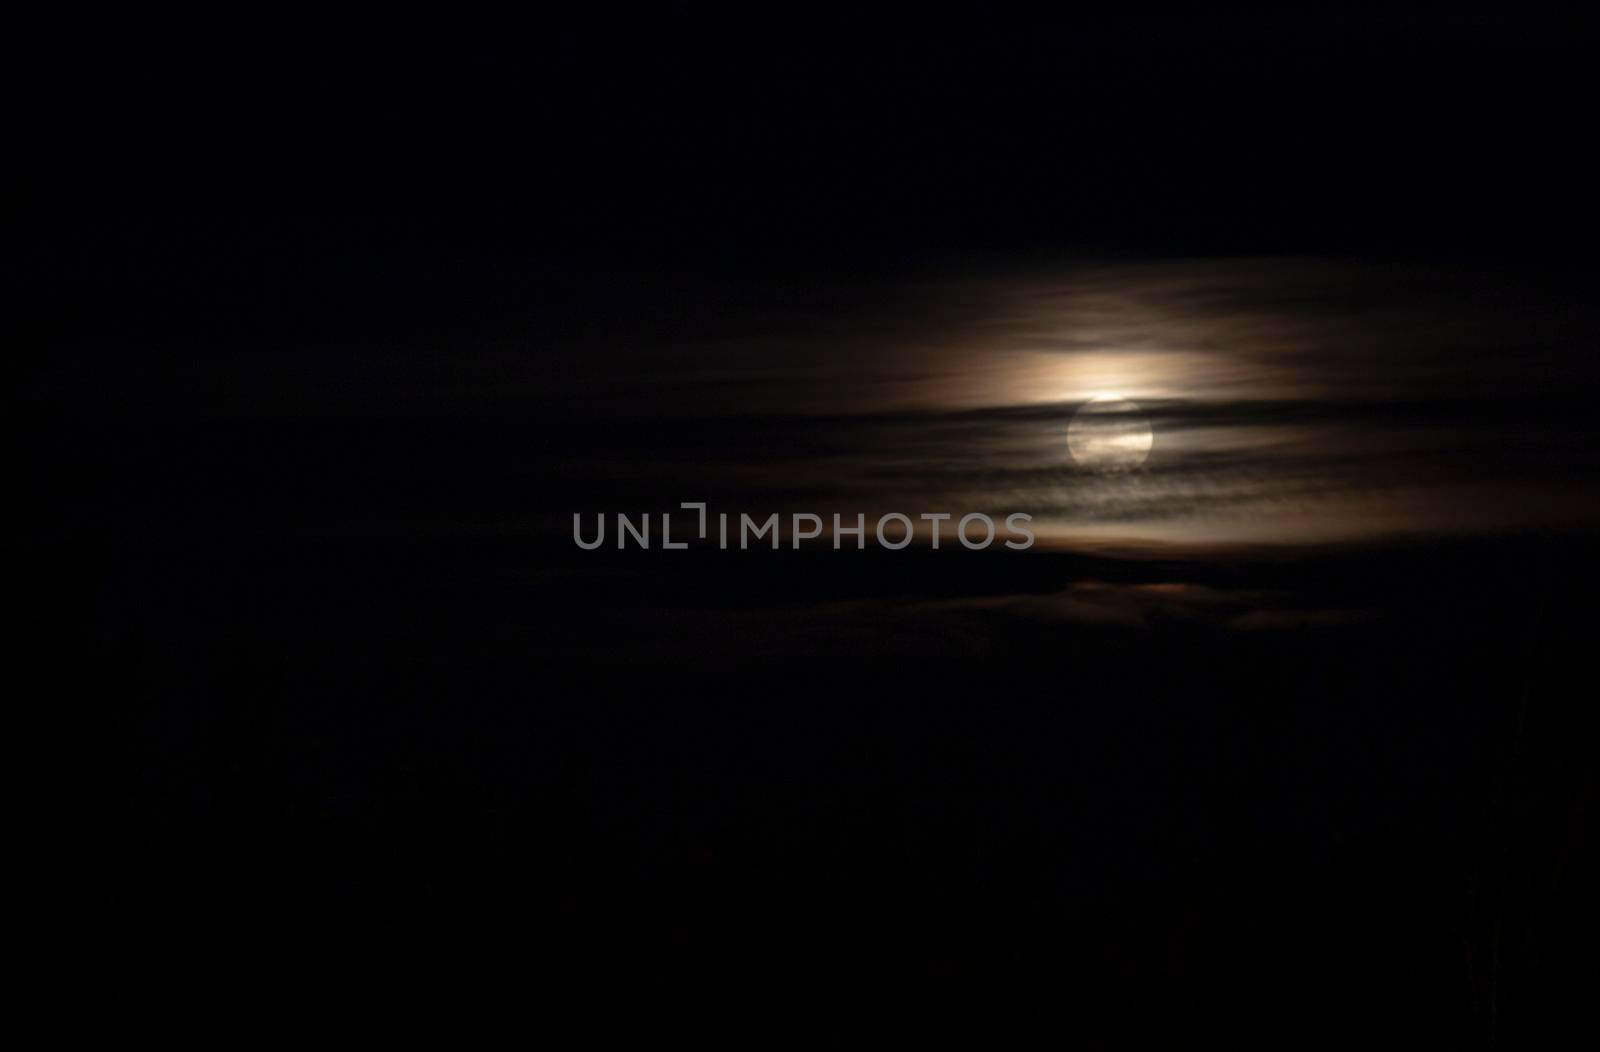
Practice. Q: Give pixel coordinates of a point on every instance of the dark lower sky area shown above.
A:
(1277, 328)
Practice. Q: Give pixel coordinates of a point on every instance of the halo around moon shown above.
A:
(1110, 434)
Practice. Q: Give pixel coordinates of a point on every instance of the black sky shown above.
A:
(332, 326)
(371, 162)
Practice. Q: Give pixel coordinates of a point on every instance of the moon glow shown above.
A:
(1110, 434)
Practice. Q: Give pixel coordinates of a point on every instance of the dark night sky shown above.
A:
(334, 327)
(731, 144)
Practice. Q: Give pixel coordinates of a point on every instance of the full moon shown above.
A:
(1109, 434)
